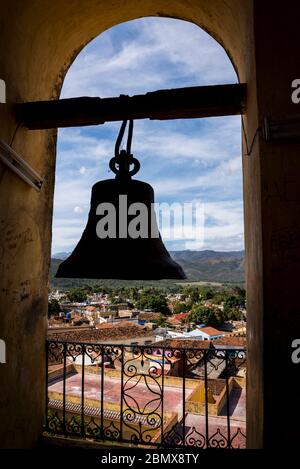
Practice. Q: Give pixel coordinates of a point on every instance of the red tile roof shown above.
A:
(149, 316)
(233, 341)
(126, 324)
(104, 325)
(184, 343)
(210, 330)
(113, 325)
(180, 316)
(123, 330)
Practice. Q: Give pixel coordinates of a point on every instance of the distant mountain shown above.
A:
(211, 266)
(206, 266)
(61, 255)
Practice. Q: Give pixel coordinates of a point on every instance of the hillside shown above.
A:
(207, 266)
(211, 266)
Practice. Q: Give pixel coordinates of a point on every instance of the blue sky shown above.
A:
(193, 160)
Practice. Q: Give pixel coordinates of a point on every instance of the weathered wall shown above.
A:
(41, 39)
(276, 36)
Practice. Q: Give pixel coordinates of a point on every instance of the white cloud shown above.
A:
(182, 159)
(224, 177)
(69, 194)
(162, 53)
(224, 230)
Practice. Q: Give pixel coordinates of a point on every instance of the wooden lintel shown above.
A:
(180, 103)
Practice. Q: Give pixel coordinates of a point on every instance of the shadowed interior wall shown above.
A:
(41, 40)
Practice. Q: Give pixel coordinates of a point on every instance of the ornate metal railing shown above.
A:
(146, 395)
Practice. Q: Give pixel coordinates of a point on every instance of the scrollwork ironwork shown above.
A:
(142, 416)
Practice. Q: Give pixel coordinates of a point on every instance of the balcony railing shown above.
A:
(147, 395)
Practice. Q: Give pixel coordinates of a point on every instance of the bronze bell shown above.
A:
(124, 242)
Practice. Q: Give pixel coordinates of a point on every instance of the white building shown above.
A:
(200, 333)
(205, 333)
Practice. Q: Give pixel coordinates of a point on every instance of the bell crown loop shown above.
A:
(120, 164)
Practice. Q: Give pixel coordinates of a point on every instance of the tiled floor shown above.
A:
(146, 395)
(142, 392)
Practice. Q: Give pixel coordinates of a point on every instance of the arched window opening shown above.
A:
(193, 163)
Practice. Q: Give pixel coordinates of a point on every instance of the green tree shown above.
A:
(232, 304)
(134, 294)
(53, 308)
(240, 292)
(154, 301)
(115, 300)
(232, 301)
(179, 307)
(206, 293)
(77, 295)
(191, 293)
(161, 321)
(218, 297)
(232, 313)
(206, 315)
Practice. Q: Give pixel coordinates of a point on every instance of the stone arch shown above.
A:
(42, 39)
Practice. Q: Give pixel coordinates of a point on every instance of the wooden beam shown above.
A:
(180, 103)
